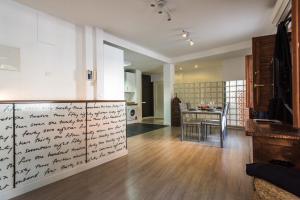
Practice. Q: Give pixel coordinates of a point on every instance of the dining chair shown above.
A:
(189, 123)
(217, 122)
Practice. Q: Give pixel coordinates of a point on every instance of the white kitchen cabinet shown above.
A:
(129, 82)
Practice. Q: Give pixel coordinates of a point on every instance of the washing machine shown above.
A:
(132, 114)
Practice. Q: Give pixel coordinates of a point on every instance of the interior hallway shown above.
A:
(160, 166)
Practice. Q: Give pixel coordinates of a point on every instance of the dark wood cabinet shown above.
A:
(274, 142)
(263, 50)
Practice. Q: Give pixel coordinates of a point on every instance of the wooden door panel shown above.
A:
(249, 81)
(263, 51)
(147, 96)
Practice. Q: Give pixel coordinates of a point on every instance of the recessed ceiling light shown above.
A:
(191, 43)
(196, 66)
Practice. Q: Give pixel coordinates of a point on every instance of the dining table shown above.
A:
(216, 112)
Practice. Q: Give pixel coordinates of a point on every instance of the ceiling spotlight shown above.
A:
(161, 8)
(191, 43)
(169, 17)
(184, 34)
(196, 66)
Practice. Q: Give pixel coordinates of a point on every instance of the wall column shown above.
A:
(99, 60)
(168, 78)
(88, 60)
(138, 93)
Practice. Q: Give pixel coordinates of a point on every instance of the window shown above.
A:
(236, 96)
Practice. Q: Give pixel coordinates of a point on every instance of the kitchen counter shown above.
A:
(131, 104)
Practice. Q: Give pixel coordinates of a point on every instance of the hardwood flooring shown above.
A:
(153, 120)
(160, 166)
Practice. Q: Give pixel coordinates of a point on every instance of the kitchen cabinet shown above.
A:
(263, 50)
(130, 82)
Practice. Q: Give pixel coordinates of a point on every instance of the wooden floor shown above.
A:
(153, 120)
(160, 166)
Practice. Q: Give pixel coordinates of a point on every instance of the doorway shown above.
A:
(147, 96)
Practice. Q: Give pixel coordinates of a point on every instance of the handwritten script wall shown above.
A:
(6, 147)
(51, 138)
(106, 130)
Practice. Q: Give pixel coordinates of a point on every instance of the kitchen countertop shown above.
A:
(131, 104)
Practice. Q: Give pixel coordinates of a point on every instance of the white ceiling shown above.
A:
(144, 63)
(212, 23)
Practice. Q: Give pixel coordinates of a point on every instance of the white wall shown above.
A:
(158, 94)
(54, 58)
(233, 69)
(203, 74)
(138, 93)
(229, 69)
(48, 46)
(113, 74)
(88, 61)
(168, 76)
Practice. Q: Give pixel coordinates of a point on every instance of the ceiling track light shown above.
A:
(191, 43)
(169, 16)
(184, 34)
(187, 35)
(161, 8)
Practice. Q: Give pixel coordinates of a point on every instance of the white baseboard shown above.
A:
(57, 177)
